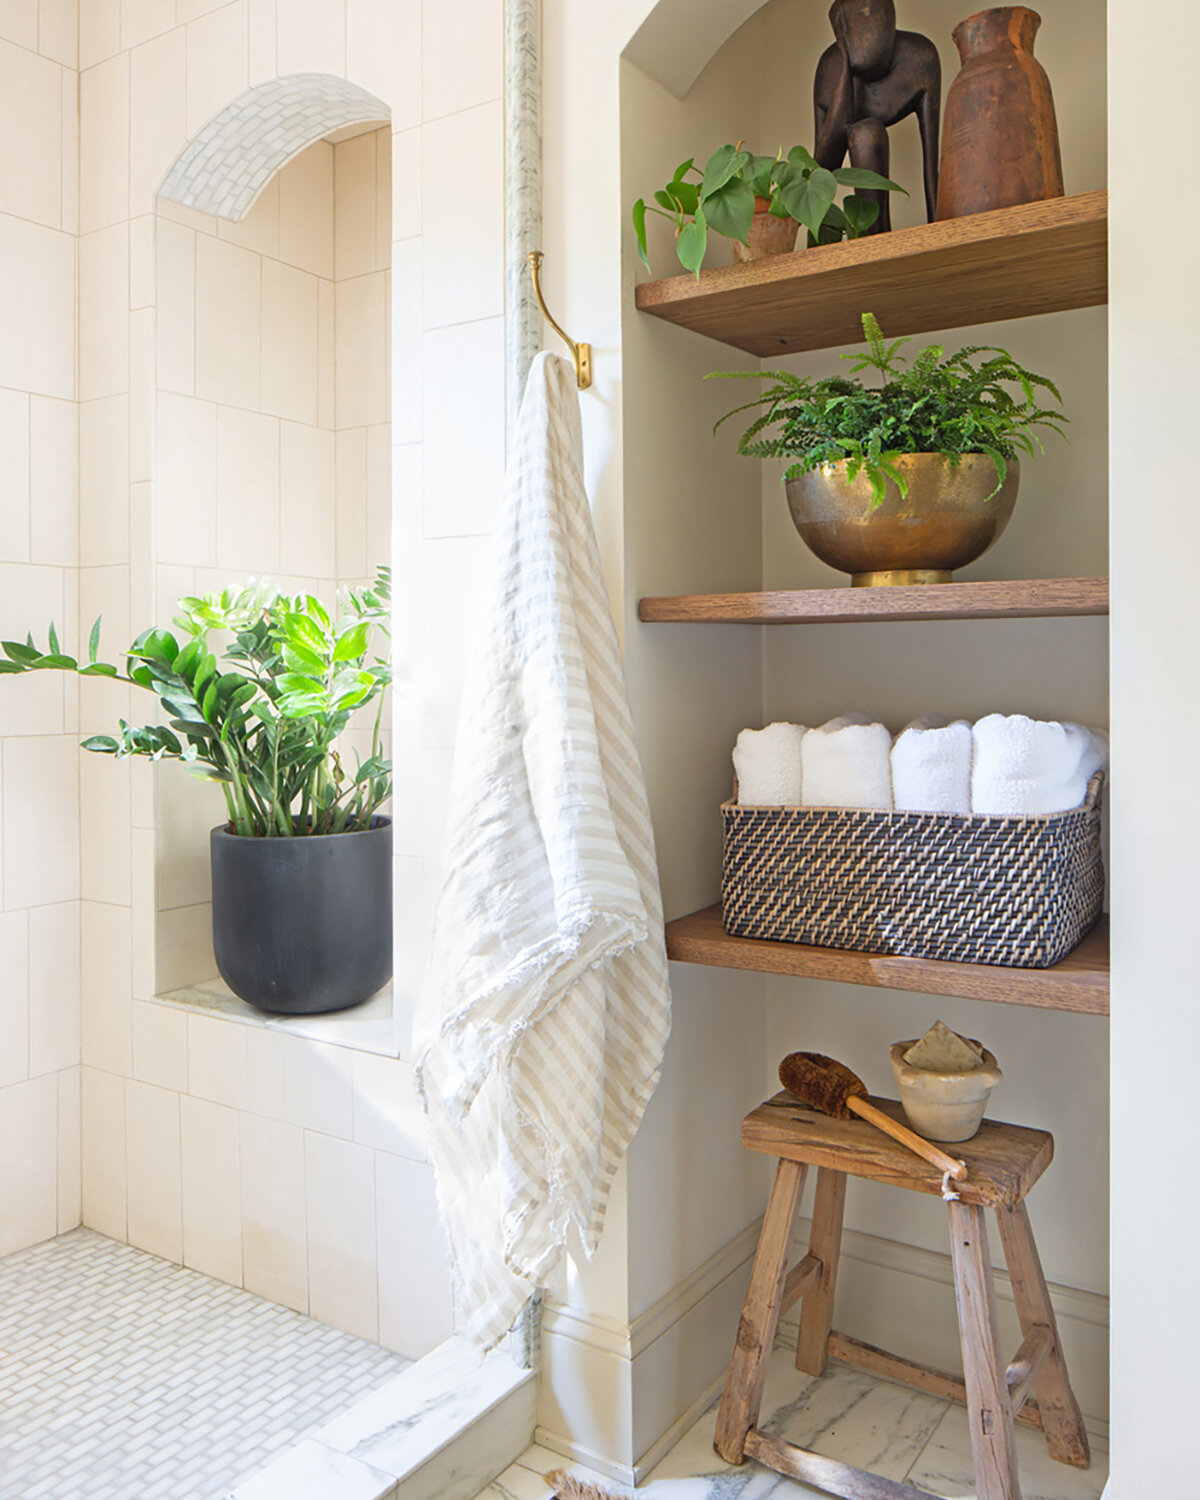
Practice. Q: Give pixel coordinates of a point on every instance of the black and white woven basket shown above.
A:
(1020, 892)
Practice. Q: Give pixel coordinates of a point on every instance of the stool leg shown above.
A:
(742, 1396)
(989, 1410)
(1062, 1421)
(825, 1242)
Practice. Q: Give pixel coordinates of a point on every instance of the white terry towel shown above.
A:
(767, 764)
(931, 766)
(847, 763)
(545, 1009)
(1029, 767)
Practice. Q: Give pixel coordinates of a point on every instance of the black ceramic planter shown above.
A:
(303, 925)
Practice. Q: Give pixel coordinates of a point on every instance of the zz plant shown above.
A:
(259, 710)
(723, 200)
(936, 403)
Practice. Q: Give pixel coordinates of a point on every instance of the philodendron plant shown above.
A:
(724, 200)
(260, 711)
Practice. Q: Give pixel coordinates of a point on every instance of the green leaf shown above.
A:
(353, 644)
(730, 211)
(95, 669)
(724, 164)
(860, 214)
(102, 744)
(799, 157)
(301, 631)
(94, 641)
(683, 169)
(318, 611)
(301, 659)
(639, 224)
(808, 197)
(759, 172)
(691, 244)
(25, 655)
(55, 648)
(55, 662)
(682, 198)
(859, 177)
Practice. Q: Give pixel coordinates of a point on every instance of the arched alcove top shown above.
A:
(678, 38)
(226, 166)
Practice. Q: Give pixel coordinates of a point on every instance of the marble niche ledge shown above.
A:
(441, 1430)
(369, 1027)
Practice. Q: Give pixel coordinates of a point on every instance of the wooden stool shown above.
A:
(1004, 1162)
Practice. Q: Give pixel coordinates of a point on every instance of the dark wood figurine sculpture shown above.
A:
(872, 77)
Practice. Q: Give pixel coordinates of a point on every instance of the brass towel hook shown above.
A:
(580, 353)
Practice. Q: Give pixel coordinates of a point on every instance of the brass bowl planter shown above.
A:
(944, 522)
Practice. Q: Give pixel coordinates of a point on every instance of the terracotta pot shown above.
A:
(999, 132)
(945, 521)
(768, 235)
(944, 1106)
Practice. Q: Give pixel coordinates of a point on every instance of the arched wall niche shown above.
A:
(227, 165)
(272, 401)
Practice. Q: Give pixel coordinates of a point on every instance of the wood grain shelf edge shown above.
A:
(1026, 598)
(1012, 262)
(1079, 983)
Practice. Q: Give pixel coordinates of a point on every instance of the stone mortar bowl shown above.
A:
(944, 1106)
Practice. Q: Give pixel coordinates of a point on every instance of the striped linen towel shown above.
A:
(545, 1008)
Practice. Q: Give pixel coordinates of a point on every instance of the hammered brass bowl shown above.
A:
(944, 522)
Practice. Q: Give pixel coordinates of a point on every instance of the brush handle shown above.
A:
(906, 1137)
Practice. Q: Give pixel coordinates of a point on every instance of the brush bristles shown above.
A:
(567, 1487)
(821, 1082)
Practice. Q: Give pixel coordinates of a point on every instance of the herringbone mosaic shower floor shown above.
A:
(126, 1377)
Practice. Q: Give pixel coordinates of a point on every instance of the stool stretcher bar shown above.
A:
(826, 1473)
(920, 1377)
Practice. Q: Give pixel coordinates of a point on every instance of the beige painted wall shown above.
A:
(1156, 1297)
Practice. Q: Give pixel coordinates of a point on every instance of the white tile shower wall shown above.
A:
(39, 556)
(231, 469)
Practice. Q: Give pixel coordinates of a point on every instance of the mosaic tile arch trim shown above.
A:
(224, 169)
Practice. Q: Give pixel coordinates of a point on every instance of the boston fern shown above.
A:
(265, 725)
(935, 403)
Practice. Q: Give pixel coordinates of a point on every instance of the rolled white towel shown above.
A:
(931, 766)
(1029, 767)
(767, 764)
(847, 763)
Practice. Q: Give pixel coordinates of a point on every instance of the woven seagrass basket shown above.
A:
(1020, 892)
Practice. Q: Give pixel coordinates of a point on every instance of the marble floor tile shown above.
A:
(946, 1470)
(518, 1483)
(848, 1415)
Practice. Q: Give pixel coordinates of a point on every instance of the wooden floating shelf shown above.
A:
(1022, 599)
(1010, 263)
(1079, 983)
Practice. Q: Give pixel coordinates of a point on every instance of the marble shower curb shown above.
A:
(442, 1429)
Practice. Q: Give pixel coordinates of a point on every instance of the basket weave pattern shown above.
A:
(1018, 892)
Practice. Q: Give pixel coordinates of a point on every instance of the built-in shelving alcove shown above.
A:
(710, 551)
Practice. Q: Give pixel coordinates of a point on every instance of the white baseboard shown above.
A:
(608, 1406)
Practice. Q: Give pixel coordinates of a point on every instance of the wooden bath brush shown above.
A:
(831, 1088)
